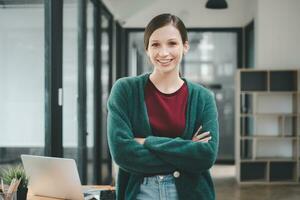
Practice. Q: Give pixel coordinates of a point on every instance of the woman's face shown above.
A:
(165, 48)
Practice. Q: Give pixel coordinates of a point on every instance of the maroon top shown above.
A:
(166, 112)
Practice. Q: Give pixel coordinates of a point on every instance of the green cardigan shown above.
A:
(127, 118)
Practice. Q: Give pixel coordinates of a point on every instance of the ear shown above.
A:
(186, 47)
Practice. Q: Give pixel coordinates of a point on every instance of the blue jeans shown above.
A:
(158, 188)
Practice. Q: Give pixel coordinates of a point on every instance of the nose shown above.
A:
(163, 52)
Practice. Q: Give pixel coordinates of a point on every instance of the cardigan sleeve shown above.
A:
(188, 155)
(126, 152)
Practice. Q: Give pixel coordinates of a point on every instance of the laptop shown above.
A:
(54, 177)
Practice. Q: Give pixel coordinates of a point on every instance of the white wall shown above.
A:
(277, 31)
(250, 11)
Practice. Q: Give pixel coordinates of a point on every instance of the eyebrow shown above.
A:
(168, 40)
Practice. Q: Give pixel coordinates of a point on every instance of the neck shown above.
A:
(166, 82)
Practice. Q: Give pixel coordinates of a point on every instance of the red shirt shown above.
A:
(166, 112)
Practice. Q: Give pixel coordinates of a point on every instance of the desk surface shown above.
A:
(30, 196)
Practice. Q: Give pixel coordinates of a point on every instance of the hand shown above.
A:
(140, 140)
(201, 137)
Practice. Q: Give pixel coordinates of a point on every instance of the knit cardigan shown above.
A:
(127, 118)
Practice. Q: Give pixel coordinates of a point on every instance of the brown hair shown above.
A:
(163, 20)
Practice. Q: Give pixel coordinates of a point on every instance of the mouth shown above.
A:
(164, 61)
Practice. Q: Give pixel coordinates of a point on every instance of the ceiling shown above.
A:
(136, 13)
(124, 9)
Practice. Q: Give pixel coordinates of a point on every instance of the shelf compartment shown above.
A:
(254, 81)
(246, 103)
(253, 171)
(247, 126)
(283, 80)
(283, 171)
(276, 103)
(275, 148)
(246, 151)
(268, 125)
(290, 126)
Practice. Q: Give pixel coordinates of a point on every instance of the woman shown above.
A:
(153, 121)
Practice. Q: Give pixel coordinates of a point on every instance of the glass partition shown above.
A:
(21, 82)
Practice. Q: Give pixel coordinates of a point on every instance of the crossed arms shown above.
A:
(155, 155)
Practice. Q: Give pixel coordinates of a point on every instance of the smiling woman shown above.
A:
(162, 128)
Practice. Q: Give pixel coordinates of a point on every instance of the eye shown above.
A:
(172, 43)
(154, 44)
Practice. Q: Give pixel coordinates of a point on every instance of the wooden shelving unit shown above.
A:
(267, 126)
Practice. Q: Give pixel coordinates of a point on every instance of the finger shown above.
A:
(198, 131)
(202, 135)
(205, 139)
(202, 140)
(138, 139)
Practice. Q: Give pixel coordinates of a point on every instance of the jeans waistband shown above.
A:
(159, 179)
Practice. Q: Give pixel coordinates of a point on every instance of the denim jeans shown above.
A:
(158, 188)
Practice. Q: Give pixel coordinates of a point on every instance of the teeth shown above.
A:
(164, 61)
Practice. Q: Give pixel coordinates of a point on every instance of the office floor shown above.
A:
(227, 188)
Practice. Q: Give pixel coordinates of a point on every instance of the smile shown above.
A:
(165, 61)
